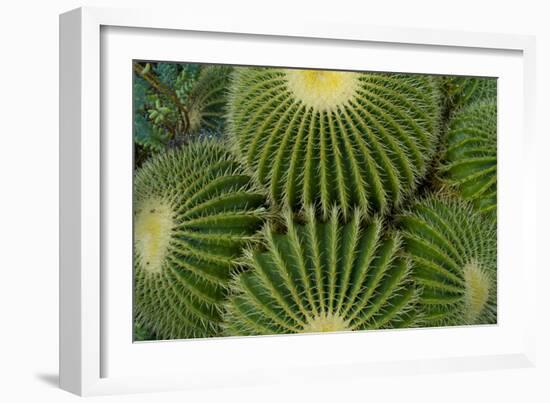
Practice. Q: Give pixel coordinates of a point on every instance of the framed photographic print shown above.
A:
(241, 201)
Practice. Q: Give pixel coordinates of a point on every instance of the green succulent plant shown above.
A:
(208, 98)
(194, 209)
(326, 138)
(320, 277)
(453, 250)
(460, 92)
(143, 334)
(470, 155)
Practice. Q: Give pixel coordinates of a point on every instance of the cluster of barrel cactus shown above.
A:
(331, 201)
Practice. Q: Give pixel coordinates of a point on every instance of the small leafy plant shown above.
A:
(176, 103)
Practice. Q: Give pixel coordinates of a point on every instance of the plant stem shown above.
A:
(163, 89)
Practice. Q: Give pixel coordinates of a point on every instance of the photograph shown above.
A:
(282, 200)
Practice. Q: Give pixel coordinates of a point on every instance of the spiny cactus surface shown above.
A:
(453, 250)
(470, 155)
(325, 138)
(322, 277)
(194, 209)
(208, 98)
(460, 92)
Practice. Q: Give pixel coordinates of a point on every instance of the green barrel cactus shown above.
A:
(321, 277)
(470, 155)
(453, 251)
(460, 92)
(194, 210)
(208, 98)
(326, 138)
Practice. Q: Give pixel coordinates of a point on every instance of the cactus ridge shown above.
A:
(470, 157)
(453, 252)
(194, 210)
(328, 138)
(322, 276)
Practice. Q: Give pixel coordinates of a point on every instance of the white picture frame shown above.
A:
(96, 354)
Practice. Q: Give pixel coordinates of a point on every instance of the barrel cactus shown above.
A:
(460, 92)
(208, 98)
(320, 277)
(470, 155)
(326, 138)
(194, 209)
(453, 250)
